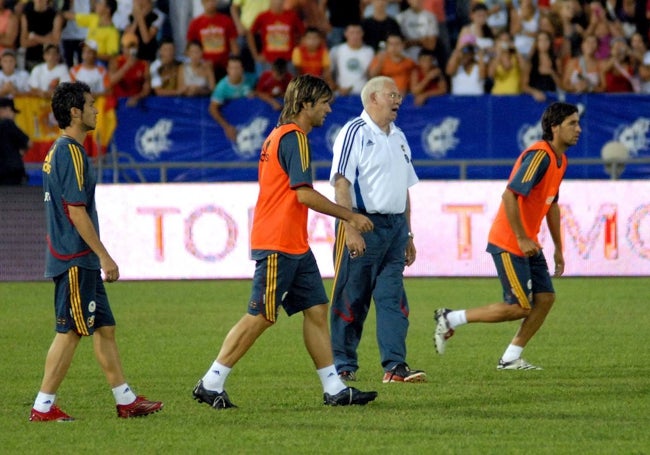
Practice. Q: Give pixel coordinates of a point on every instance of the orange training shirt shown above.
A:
(534, 206)
(280, 220)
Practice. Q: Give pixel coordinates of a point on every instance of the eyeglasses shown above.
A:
(395, 96)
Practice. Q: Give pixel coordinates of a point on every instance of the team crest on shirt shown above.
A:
(439, 139)
(250, 137)
(91, 321)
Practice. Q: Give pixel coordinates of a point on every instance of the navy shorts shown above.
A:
(80, 302)
(522, 277)
(294, 282)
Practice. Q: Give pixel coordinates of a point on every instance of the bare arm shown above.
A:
(86, 229)
(453, 63)
(553, 222)
(527, 245)
(353, 238)
(234, 14)
(273, 102)
(319, 203)
(8, 38)
(146, 33)
(229, 130)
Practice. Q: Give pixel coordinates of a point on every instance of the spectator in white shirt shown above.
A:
(350, 61)
(89, 71)
(12, 81)
(420, 29)
(45, 76)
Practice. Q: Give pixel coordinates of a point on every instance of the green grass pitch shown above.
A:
(592, 397)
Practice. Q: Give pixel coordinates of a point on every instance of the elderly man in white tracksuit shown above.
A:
(372, 173)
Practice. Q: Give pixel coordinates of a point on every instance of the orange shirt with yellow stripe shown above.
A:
(533, 206)
(280, 220)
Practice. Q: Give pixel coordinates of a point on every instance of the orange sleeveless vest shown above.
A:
(280, 221)
(534, 207)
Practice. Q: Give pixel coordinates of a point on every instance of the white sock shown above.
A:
(456, 318)
(332, 384)
(44, 402)
(123, 394)
(216, 377)
(512, 353)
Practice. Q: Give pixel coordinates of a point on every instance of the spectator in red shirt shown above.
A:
(427, 79)
(128, 74)
(279, 32)
(618, 71)
(217, 34)
(273, 83)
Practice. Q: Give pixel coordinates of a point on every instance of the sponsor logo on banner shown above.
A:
(251, 137)
(634, 136)
(151, 142)
(438, 140)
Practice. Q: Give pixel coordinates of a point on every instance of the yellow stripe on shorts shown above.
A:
(271, 286)
(339, 245)
(514, 281)
(75, 301)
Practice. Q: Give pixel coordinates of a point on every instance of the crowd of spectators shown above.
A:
(227, 49)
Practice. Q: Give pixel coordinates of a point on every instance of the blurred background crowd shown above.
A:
(226, 49)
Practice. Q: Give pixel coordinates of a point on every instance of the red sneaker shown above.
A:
(139, 408)
(54, 414)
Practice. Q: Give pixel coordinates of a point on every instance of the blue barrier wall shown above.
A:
(446, 128)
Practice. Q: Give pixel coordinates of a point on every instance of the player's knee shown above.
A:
(525, 311)
(546, 299)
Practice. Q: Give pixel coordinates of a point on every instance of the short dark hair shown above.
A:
(280, 65)
(396, 33)
(194, 43)
(235, 58)
(66, 96)
(479, 6)
(112, 6)
(555, 115)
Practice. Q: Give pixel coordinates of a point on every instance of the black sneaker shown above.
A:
(215, 399)
(402, 373)
(349, 396)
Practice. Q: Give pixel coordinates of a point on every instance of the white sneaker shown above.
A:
(443, 331)
(518, 364)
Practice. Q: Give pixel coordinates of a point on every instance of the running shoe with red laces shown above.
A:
(55, 414)
(402, 373)
(139, 408)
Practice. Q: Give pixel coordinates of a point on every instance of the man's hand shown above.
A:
(354, 242)
(361, 222)
(528, 246)
(559, 263)
(410, 252)
(110, 268)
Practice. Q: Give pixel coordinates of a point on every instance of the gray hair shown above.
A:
(374, 85)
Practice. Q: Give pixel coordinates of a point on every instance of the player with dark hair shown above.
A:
(286, 273)
(531, 195)
(75, 258)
